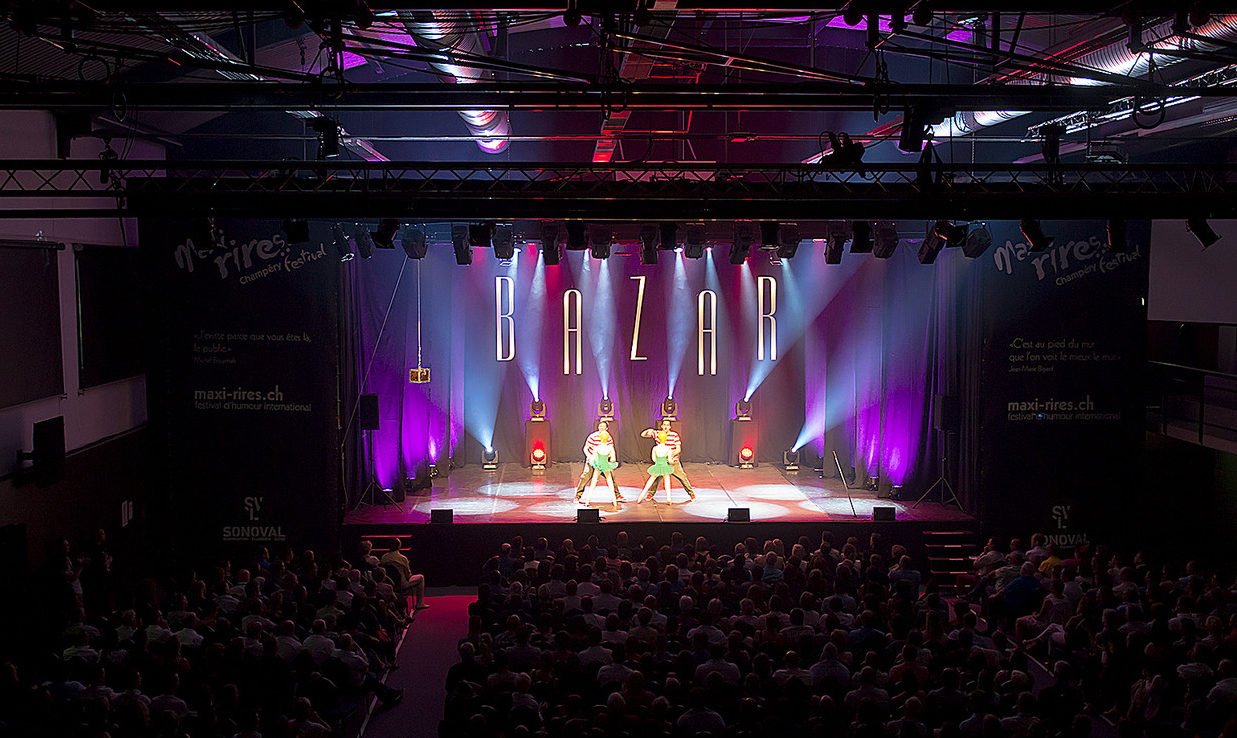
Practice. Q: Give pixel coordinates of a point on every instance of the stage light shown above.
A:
(861, 238)
(549, 243)
(1034, 234)
(328, 137)
(537, 459)
(910, 140)
(364, 243)
(669, 408)
(741, 242)
(536, 409)
(339, 240)
(489, 459)
(668, 236)
(977, 241)
(599, 239)
(434, 473)
(790, 459)
(886, 240)
(1202, 230)
(577, 235)
(788, 241)
(297, 231)
(696, 237)
(414, 243)
(769, 235)
(384, 237)
(504, 243)
(873, 483)
(743, 410)
(746, 456)
(459, 242)
(1116, 235)
(835, 244)
(605, 409)
(649, 238)
(954, 234)
(480, 235)
(931, 246)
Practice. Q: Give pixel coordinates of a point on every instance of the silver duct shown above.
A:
(447, 31)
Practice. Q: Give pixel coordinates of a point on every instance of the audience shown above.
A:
(681, 638)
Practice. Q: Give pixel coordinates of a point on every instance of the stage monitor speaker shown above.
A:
(884, 513)
(944, 412)
(369, 412)
(739, 515)
(442, 516)
(588, 515)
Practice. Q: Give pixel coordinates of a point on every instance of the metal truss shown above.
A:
(619, 192)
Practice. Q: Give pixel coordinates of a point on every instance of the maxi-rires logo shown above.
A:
(245, 261)
(1063, 263)
(255, 529)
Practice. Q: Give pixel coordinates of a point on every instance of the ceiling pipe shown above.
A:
(1116, 58)
(446, 31)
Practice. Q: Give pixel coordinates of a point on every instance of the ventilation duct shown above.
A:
(450, 32)
(1116, 58)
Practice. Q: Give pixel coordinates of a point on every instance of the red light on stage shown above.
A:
(538, 454)
(746, 454)
(538, 458)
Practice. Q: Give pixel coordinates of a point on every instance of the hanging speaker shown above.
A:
(368, 412)
(944, 412)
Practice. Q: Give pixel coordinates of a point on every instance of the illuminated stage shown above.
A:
(514, 494)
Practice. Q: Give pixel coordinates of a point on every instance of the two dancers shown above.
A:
(600, 462)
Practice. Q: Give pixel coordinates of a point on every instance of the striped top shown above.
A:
(671, 439)
(595, 439)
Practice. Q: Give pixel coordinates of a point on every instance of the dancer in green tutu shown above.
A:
(603, 462)
(660, 471)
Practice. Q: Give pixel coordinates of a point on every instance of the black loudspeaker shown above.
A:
(884, 514)
(444, 516)
(48, 454)
(739, 515)
(369, 412)
(944, 412)
(588, 515)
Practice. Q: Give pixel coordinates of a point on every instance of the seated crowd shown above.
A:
(807, 638)
(289, 645)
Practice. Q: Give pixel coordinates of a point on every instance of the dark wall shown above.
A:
(104, 486)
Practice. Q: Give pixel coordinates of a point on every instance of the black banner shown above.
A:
(242, 381)
(1064, 338)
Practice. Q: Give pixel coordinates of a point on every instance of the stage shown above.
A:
(516, 494)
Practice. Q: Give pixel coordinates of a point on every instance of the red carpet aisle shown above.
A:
(428, 652)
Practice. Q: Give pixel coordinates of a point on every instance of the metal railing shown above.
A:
(1199, 399)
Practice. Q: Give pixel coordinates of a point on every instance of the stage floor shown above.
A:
(514, 494)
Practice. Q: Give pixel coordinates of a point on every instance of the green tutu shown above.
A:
(603, 464)
(661, 465)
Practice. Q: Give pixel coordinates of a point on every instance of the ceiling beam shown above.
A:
(588, 7)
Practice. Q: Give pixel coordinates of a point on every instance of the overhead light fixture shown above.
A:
(364, 243)
(328, 137)
(504, 243)
(977, 241)
(769, 235)
(1205, 234)
(931, 246)
(910, 139)
(669, 408)
(414, 243)
(886, 241)
(341, 244)
(489, 459)
(649, 239)
(605, 409)
(536, 409)
(835, 244)
(384, 237)
(599, 239)
(743, 410)
(549, 242)
(1034, 233)
(790, 459)
(1116, 235)
(669, 236)
(741, 242)
(481, 235)
(297, 231)
(861, 237)
(954, 234)
(696, 238)
(788, 240)
(459, 242)
(577, 235)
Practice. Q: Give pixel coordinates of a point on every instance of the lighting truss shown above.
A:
(669, 192)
